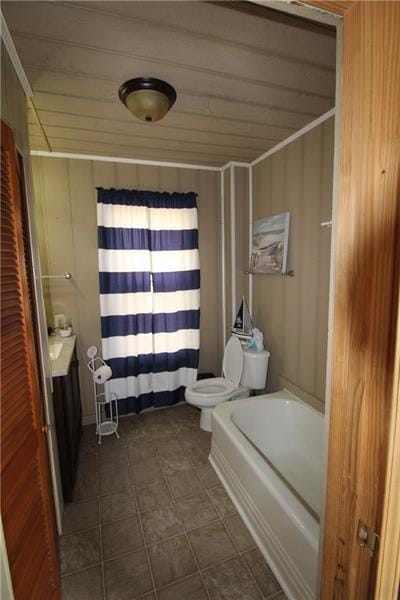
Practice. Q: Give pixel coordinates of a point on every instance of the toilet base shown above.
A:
(206, 419)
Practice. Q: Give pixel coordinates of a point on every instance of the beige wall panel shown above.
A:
(324, 257)
(261, 287)
(13, 102)
(59, 235)
(291, 323)
(292, 312)
(187, 180)
(210, 347)
(148, 178)
(104, 175)
(228, 261)
(309, 268)
(86, 278)
(126, 176)
(41, 236)
(4, 84)
(169, 180)
(261, 290)
(274, 333)
(242, 232)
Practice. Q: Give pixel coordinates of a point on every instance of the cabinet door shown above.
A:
(26, 494)
(76, 396)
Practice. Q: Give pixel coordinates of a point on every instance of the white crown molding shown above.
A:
(235, 163)
(321, 119)
(13, 54)
(119, 159)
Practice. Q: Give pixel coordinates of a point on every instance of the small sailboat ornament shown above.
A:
(243, 326)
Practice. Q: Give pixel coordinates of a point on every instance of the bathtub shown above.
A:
(267, 450)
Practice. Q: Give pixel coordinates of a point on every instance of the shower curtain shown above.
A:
(149, 294)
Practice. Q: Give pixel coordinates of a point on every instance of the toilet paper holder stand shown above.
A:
(106, 402)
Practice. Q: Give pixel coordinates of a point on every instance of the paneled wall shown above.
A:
(241, 235)
(66, 199)
(228, 256)
(292, 312)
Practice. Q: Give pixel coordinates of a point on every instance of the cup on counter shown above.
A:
(65, 331)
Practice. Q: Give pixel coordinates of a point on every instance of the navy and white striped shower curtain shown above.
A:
(149, 294)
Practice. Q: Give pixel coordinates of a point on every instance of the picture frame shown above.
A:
(270, 241)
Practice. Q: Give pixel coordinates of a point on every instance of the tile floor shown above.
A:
(151, 521)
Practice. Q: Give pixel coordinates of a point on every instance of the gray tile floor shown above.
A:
(151, 521)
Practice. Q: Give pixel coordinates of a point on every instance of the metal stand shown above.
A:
(105, 425)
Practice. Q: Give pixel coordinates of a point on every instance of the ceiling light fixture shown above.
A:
(148, 98)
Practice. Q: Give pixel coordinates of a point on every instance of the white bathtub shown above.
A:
(267, 451)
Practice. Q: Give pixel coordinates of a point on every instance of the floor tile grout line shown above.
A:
(161, 588)
(98, 564)
(144, 541)
(186, 535)
(132, 490)
(235, 545)
(101, 551)
(241, 552)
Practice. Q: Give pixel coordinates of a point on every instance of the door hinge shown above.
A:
(367, 538)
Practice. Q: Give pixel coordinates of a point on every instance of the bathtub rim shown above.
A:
(285, 396)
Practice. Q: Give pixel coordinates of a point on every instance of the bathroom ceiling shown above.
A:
(244, 81)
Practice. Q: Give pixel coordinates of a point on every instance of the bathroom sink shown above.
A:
(54, 350)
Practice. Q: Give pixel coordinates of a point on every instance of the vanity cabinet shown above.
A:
(68, 422)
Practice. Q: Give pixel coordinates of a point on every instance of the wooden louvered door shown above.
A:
(26, 496)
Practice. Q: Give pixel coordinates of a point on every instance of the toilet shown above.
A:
(244, 369)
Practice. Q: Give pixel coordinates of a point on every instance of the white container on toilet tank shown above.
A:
(255, 368)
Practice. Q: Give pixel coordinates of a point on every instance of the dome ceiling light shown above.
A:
(148, 98)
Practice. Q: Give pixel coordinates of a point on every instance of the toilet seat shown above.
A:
(214, 390)
(207, 393)
(210, 391)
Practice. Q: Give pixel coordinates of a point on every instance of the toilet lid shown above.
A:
(233, 360)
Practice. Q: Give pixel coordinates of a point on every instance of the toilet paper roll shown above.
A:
(102, 374)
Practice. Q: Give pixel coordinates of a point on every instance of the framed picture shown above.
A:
(270, 244)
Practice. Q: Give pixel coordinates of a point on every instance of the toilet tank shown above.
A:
(255, 368)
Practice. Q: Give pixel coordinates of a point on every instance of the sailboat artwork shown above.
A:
(243, 325)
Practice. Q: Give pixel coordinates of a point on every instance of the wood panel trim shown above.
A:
(337, 7)
(367, 240)
(26, 449)
(388, 572)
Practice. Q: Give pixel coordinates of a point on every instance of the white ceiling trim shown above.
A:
(177, 165)
(119, 159)
(13, 54)
(296, 135)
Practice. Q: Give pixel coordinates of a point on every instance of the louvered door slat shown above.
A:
(26, 498)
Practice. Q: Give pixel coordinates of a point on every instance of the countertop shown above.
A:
(60, 366)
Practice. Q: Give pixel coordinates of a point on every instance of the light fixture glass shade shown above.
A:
(148, 105)
(147, 98)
